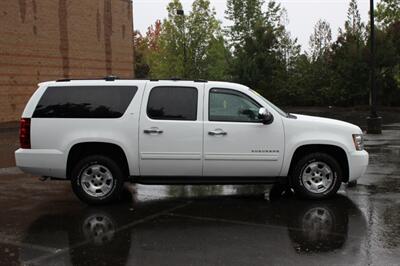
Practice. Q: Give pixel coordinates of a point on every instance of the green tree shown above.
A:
(303, 85)
(218, 60)
(145, 47)
(259, 51)
(388, 64)
(388, 51)
(256, 64)
(189, 44)
(245, 16)
(141, 66)
(314, 69)
(277, 17)
(353, 25)
(263, 50)
(204, 32)
(320, 40)
(388, 12)
(168, 61)
(350, 71)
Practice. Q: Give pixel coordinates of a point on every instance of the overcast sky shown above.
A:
(303, 14)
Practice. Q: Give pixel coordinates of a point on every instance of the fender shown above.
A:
(290, 150)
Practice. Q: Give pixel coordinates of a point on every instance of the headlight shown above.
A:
(358, 140)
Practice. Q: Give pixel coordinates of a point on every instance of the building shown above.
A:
(51, 39)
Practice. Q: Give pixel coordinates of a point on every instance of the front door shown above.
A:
(171, 129)
(236, 143)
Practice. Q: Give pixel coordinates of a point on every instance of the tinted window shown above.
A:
(85, 101)
(232, 106)
(172, 103)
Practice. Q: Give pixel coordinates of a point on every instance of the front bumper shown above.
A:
(358, 162)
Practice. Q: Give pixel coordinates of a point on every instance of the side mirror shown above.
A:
(265, 116)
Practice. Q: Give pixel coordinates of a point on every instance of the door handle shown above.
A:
(153, 131)
(217, 132)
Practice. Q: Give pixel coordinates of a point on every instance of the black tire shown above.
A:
(117, 174)
(302, 163)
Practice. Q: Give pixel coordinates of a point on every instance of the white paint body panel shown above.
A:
(184, 148)
(178, 150)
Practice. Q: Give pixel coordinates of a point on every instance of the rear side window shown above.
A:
(172, 103)
(85, 101)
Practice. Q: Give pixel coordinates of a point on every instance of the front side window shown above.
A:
(84, 101)
(172, 103)
(232, 106)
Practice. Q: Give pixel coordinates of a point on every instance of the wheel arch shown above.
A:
(83, 149)
(335, 151)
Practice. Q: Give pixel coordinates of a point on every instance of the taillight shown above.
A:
(25, 133)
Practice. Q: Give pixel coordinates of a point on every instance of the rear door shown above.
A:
(171, 129)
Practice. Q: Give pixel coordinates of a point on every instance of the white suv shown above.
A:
(101, 133)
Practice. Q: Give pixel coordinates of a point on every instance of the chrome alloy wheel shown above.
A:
(317, 177)
(97, 180)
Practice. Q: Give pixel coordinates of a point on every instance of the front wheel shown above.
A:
(97, 179)
(316, 176)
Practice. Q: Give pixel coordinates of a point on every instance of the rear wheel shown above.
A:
(97, 179)
(316, 176)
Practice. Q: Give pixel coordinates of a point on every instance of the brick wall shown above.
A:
(49, 39)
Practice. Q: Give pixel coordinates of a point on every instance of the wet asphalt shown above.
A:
(43, 223)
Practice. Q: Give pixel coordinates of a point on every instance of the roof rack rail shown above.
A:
(107, 78)
(177, 79)
(110, 78)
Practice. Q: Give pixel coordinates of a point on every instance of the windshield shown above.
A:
(276, 108)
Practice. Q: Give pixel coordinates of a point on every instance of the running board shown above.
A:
(206, 180)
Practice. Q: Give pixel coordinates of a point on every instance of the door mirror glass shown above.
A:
(265, 116)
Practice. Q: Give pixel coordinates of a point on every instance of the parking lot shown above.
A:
(43, 223)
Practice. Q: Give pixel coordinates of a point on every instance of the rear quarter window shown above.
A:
(84, 101)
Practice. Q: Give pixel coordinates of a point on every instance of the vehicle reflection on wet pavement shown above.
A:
(42, 223)
(186, 229)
